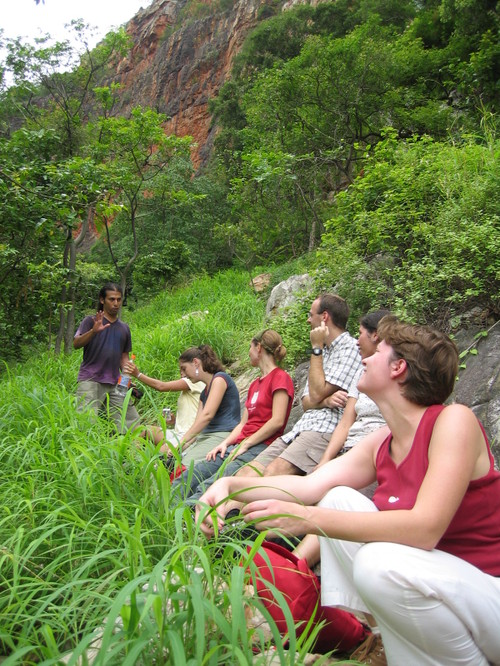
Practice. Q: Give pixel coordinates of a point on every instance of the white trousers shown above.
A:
(432, 608)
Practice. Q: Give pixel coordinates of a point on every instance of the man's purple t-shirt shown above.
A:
(103, 354)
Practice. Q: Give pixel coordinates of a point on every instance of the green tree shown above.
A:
(52, 90)
(137, 153)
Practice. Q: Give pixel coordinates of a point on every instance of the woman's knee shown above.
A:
(381, 574)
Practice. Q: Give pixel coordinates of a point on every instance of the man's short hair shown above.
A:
(431, 358)
(336, 307)
(109, 286)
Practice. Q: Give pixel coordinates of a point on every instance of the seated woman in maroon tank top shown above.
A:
(422, 560)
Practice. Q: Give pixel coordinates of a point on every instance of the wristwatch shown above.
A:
(317, 351)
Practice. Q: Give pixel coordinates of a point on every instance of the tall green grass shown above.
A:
(97, 562)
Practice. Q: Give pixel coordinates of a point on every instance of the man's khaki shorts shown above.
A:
(304, 451)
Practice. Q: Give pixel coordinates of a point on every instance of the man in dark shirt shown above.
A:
(106, 343)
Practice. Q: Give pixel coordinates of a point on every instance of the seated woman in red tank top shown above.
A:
(422, 560)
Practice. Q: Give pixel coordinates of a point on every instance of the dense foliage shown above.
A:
(314, 91)
(419, 230)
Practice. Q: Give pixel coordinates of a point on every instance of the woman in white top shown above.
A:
(187, 404)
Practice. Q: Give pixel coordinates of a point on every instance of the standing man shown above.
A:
(106, 343)
(335, 362)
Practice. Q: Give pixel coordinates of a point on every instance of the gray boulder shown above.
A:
(285, 293)
(478, 384)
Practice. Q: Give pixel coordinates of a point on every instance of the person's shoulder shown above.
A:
(347, 340)
(342, 342)
(225, 377)
(86, 324)
(352, 391)
(279, 372)
(194, 387)
(456, 414)
(281, 377)
(122, 324)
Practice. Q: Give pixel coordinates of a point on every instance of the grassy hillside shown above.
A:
(87, 529)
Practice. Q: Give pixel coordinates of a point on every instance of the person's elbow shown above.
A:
(279, 421)
(427, 532)
(207, 416)
(316, 396)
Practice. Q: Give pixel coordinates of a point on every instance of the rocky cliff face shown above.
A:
(182, 54)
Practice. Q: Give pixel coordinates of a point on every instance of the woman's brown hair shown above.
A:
(431, 358)
(272, 343)
(209, 360)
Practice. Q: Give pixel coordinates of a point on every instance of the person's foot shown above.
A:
(371, 651)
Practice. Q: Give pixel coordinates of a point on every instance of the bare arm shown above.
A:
(124, 359)
(457, 454)
(281, 400)
(339, 435)
(355, 469)
(319, 388)
(336, 399)
(277, 420)
(230, 439)
(85, 338)
(174, 385)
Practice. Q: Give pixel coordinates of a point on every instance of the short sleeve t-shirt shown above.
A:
(341, 364)
(229, 413)
(102, 355)
(259, 403)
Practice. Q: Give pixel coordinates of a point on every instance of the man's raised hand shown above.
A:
(98, 323)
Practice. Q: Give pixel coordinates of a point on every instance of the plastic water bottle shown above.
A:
(124, 381)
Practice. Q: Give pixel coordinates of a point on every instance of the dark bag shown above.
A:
(301, 588)
(137, 392)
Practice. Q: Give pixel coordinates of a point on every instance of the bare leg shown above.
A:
(154, 434)
(308, 550)
(281, 466)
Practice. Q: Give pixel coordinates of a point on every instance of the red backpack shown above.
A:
(301, 588)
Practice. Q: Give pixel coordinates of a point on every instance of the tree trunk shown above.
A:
(70, 317)
(68, 292)
(62, 302)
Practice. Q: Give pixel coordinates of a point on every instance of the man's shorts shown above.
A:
(96, 396)
(305, 451)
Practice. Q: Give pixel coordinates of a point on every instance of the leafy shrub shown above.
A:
(156, 270)
(431, 211)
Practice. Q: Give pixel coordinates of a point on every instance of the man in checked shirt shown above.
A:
(335, 362)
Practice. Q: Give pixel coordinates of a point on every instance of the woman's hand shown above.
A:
(242, 447)
(219, 449)
(211, 507)
(130, 368)
(283, 517)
